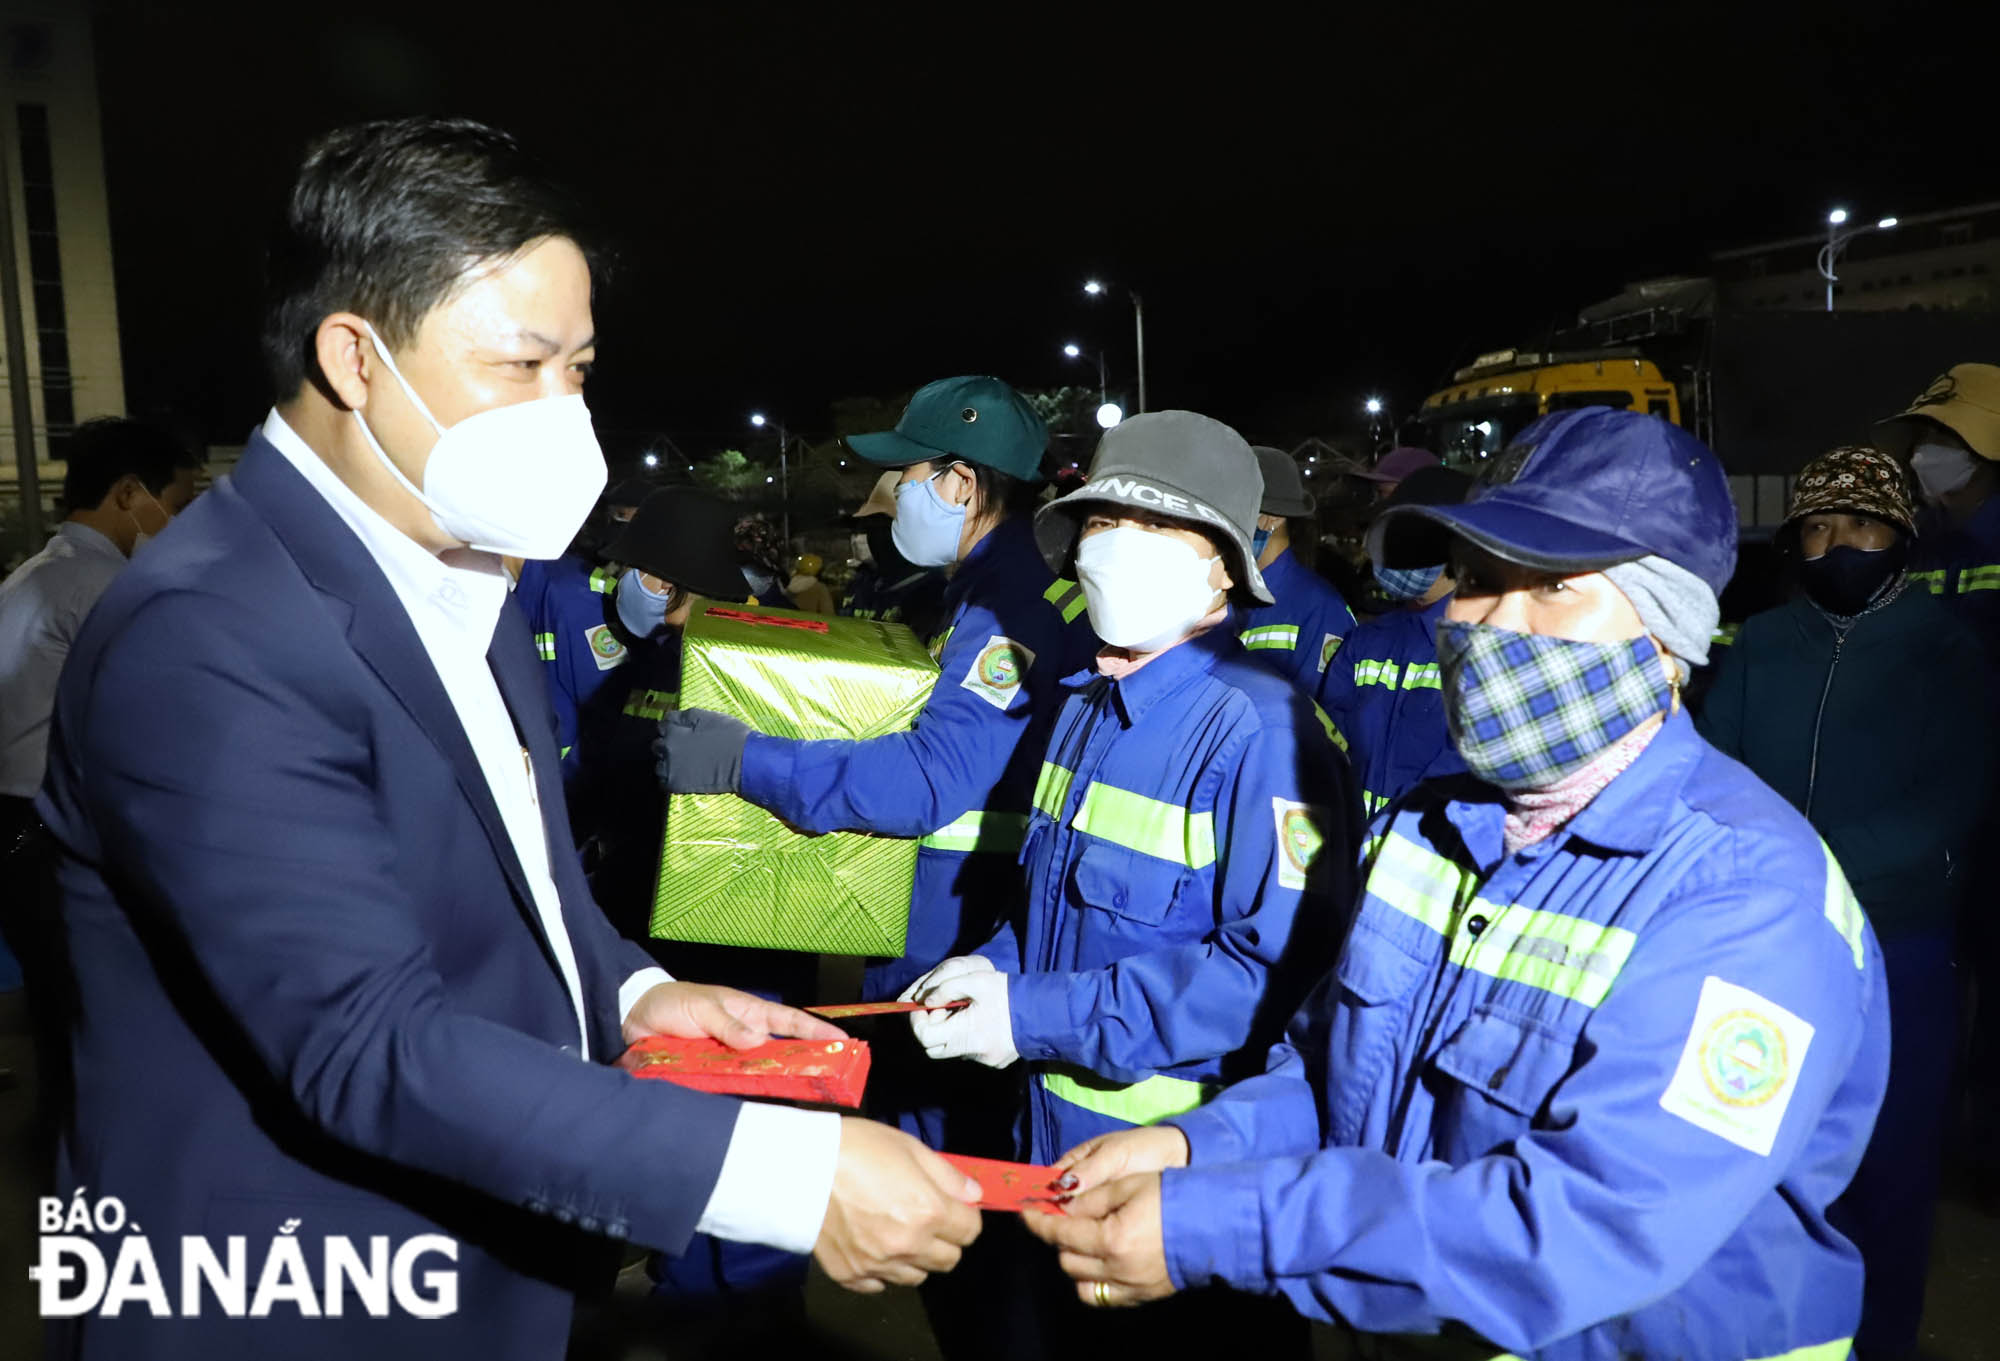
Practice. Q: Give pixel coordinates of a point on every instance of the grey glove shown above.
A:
(700, 752)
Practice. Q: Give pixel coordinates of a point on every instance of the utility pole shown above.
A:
(30, 484)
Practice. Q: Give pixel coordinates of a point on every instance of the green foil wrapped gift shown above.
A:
(733, 874)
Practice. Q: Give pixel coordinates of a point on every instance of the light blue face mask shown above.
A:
(1407, 583)
(1257, 542)
(928, 528)
(642, 610)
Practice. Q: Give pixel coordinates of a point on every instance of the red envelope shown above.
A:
(846, 1010)
(825, 1072)
(1012, 1186)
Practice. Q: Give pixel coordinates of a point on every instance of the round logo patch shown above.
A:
(604, 643)
(1743, 1059)
(1300, 838)
(998, 666)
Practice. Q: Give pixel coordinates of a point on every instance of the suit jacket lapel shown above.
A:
(380, 631)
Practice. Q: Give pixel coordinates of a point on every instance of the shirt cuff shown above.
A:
(1039, 1007)
(764, 770)
(637, 986)
(776, 1178)
(1212, 1227)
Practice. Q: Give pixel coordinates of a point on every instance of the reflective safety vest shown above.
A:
(1961, 566)
(1591, 1100)
(1300, 635)
(962, 778)
(1385, 697)
(1186, 861)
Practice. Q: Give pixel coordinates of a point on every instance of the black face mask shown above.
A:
(1846, 580)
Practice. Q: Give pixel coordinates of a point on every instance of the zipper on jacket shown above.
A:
(1812, 769)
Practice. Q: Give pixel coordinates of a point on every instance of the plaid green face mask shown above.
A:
(1525, 711)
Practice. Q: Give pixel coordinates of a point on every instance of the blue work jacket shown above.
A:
(1189, 856)
(1589, 1100)
(564, 599)
(1961, 566)
(1298, 636)
(962, 778)
(1384, 695)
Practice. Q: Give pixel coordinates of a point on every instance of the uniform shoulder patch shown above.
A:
(998, 671)
(1300, 838)
(1328, 645)
(605, 649)
(1739, 1067)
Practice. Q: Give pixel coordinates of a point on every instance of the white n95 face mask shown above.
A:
(1142, 590)
(1941, 468)
(517, 480)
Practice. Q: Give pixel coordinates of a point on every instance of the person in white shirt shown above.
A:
(334, 897)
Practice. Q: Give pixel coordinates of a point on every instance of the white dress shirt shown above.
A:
(778, 1170)
(42, 605)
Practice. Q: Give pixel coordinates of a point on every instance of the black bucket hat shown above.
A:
(686, 537)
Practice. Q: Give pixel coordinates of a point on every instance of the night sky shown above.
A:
(1316, 202)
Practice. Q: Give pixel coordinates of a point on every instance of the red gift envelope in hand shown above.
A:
(1011, 1186)
(824, 1072)
(842, 1011)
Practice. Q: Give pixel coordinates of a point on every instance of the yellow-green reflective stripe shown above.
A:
(1141, 1103)
(1838, 1350)
(651, 703)
(1422, 677)
(1373, 803)
(1933, 579)
(1283, 637)
(1565, 955)
(603, 581)
(1332, 729)
(1152, 827)
(978, 831)
(1552, 951)
(938, 644)
(545, 644)
(1052, 789)
(1979, 579)
(563, 754)
(1418, 883)
(1376, 673)
(1067, 597)
(1842, 909)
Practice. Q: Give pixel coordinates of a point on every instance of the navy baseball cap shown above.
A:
(1579, 491)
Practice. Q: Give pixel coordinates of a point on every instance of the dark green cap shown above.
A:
(979, 420)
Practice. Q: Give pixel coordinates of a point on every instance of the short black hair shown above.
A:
(386, 218)
(101, 452)
(1011, 496)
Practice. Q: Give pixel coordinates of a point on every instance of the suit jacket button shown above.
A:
(565, 1215)
(589, 1224)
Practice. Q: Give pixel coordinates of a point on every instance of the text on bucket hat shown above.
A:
(1174, 463)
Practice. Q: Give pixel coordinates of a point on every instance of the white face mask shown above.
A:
(140, 536)
(1941, 468)
(518, 480)
(1143, 590)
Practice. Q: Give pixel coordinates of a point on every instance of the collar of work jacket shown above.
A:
(1138, 692)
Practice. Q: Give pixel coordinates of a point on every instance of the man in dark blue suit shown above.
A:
(341, 992)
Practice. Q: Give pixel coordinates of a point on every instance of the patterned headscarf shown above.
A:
(1856, 479)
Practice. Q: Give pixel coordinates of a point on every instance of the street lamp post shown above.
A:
(1076, 351)
(758, 419)
(1097, 290)
(1374, 408)
(1836, 242)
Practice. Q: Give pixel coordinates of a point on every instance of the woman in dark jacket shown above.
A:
(1860, 702)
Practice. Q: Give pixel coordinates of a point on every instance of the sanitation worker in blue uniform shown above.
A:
(1189, 858)
(1609, 1031)
(1299, 633)
(1382, 690)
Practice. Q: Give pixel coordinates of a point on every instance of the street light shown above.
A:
(652, 460)
(1109, 415)
(1097, 289)
(1836, 242)
(1374, 405)
(1076, 351)
(758, 419)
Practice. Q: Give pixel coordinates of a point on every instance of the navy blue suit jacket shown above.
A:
(311, 981)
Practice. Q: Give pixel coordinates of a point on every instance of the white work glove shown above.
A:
(956, 967)
(983, 1031)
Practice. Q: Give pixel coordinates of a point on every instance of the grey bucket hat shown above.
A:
(1284, 490)
(1173, 463)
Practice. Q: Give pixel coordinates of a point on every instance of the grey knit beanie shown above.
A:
(1674, 604)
